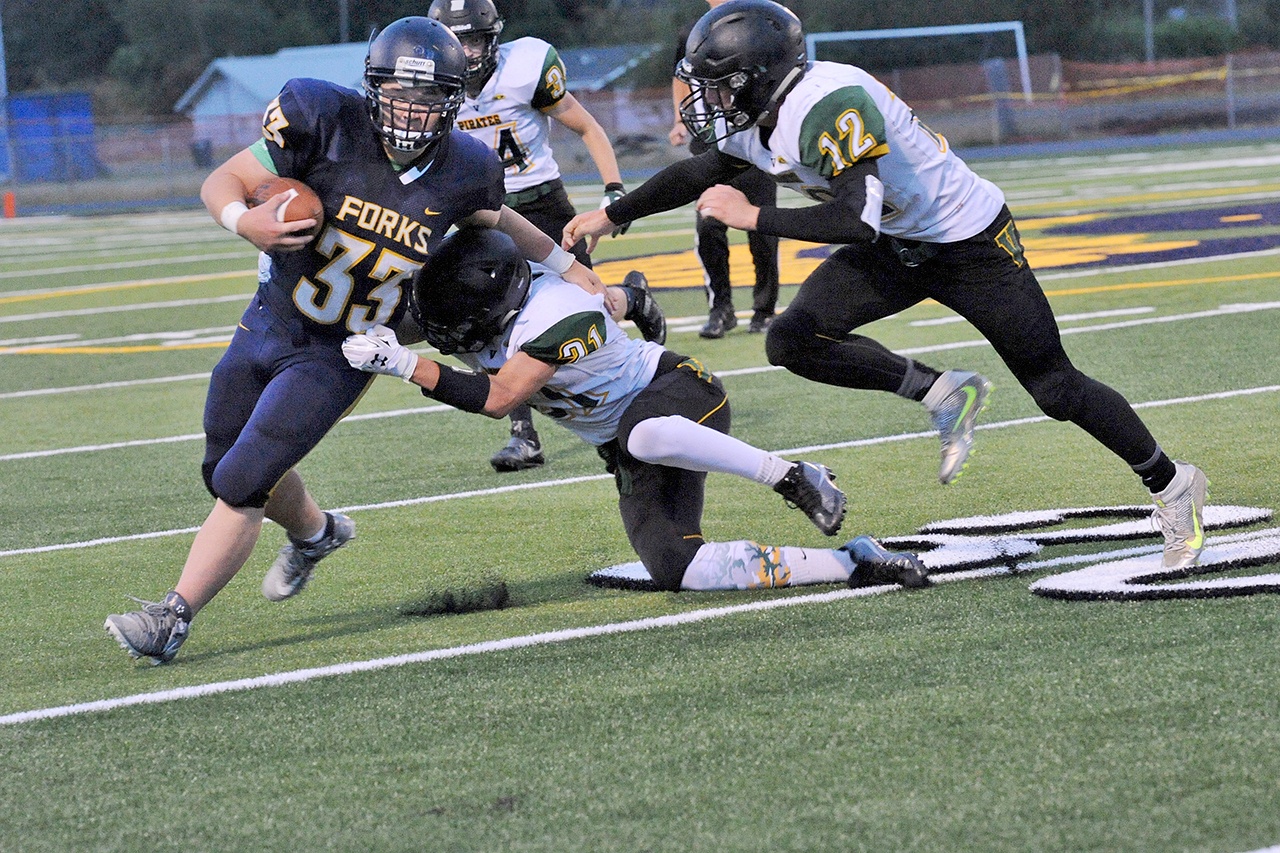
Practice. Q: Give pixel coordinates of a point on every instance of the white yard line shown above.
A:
(792, 451)
(981, 342)
(508, 644)
(137, 306)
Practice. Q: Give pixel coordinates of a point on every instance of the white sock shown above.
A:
(680, 443)
(749, 565)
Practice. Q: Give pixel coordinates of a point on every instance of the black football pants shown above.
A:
(713, 250)
(984, 279)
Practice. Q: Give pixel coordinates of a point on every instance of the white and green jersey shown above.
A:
(839, 114)
(599, 370)
(508, 114)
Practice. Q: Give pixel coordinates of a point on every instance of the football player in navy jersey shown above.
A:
(659, 420)
(393, 176)
(912, 221)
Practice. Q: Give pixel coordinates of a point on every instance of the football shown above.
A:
(303, 204)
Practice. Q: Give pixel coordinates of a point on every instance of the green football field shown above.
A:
(1138, 714)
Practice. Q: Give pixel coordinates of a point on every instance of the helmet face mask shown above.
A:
(741, 59)
(468, 19)
(712, 100)
(470, 289)
(413, 84)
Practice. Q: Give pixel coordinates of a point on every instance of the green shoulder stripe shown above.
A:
(259, 149)
(552, 84)
(841, 129)
(569, 340)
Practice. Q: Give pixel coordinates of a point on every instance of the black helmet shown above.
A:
(740, 60)
(470, 288)
(468, 17)
(423, 67)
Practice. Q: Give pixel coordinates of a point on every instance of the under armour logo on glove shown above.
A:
(378, 351)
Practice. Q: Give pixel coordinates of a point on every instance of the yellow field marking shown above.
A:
(1181, 194)
(1244, 217)
(125, 285)
(1143, 285)
(682, 269)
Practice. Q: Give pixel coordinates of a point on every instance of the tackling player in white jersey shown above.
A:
(513, 91)
(659, 420)
(915, 223)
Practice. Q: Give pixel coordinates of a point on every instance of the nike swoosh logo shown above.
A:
(429, 212)
(971, 394)
(1196, 542)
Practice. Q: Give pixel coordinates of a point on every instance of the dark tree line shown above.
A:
(138, 56)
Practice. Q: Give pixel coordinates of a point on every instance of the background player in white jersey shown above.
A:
(659, 420)
(916, 222)
(512, 92)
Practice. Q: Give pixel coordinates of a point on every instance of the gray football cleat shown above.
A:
(156, 631)
(1179, 516)
(645, 311)
(954, 403)
(873, 565)
(812, 489)
(519, 454)
(296, 561)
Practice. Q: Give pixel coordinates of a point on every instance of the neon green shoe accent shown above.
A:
(1179, 516)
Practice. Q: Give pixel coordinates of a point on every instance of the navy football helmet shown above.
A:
(414, 75)
(471, 17)
(470, 288)
(741, 58)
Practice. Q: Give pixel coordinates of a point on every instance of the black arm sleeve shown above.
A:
(676, 185)
(837, 220)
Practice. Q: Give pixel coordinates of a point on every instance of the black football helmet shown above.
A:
(468, 17)
(741, 58)
(414, 72)
(470, 288)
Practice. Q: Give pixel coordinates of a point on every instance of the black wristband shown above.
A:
(461, 389)
(614, 186)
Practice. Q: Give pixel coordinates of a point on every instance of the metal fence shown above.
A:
(162, 164)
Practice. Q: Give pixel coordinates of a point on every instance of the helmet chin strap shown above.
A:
(780, 92)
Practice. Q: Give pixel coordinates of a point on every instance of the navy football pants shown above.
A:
(272, 397)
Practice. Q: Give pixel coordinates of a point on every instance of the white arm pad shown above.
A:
(875, 203)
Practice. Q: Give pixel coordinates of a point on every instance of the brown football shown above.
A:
(304, 204)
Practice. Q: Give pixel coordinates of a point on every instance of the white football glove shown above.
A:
(378, 351)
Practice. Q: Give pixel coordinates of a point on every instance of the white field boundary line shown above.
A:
(199, 436)
(1042, 276)
(508, 644)
(676, 323)
(544, 484)
(980, 342)
(115, 309)
(174, 261)
(102, 386)
(512, 643)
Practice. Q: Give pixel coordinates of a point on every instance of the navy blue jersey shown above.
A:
(380, 222)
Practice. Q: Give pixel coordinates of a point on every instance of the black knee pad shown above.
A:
(1059, 393)
(667, 565)
(788, 336)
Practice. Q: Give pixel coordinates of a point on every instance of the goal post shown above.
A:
(813, 39)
